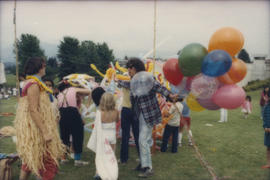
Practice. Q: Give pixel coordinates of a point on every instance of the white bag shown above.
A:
(106, 163)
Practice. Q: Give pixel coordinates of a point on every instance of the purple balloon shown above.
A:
(208, 104)
(229, 96)
(204, 87)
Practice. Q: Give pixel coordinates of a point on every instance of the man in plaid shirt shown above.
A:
(147, 111)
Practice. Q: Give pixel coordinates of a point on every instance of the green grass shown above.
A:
(234, 149)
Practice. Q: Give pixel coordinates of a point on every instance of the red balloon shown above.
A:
(172, 72)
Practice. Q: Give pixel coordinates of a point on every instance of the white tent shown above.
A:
(2, 73)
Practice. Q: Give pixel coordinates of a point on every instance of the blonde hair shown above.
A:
(107, 102)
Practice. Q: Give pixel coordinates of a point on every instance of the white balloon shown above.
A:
(141, 83)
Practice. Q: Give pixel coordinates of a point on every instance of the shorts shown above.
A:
(185, 121)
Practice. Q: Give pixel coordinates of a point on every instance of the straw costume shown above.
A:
(37, 155)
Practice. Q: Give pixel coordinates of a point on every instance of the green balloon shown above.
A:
(191, 58)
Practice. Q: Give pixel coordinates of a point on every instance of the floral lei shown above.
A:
(40, 82)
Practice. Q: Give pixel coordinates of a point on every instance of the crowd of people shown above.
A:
(41, 110)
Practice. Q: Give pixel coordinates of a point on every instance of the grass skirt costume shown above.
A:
(37, 155)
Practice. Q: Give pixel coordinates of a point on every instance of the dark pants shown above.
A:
(128, 119)
(71, 124)
(167, 133)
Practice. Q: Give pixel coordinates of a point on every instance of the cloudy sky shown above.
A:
(127, 26)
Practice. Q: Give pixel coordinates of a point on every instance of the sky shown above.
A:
(128, 26)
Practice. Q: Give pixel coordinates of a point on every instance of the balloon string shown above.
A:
(202, 160)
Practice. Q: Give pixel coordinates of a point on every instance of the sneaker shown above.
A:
(180, 145)
(190, 144)
(146, 173)
(138, 168)
(80, 163)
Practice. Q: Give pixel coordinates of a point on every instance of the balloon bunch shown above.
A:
(208, 77)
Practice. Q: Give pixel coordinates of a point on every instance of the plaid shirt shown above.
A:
(147, 104)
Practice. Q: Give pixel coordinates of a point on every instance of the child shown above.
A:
(103, 138)
(247, 107)
(109, 117)
(185, 122)
(172, 127)
(266, 126)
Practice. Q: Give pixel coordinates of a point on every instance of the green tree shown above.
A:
(105, 57)
(28, 46)
(68, 55)
(89, 56)
(52, 68)
(243, 54)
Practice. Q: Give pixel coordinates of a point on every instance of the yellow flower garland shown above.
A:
(40, 83)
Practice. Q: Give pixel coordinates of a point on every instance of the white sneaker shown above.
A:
(180, 145)
(80, 163)
(190, 144)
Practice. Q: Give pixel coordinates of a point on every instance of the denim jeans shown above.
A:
(145, 142)
(170, 130)
(127, 120)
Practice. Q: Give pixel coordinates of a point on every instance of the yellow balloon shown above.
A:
(193, 104)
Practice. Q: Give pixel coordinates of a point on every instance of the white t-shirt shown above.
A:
(175, 121)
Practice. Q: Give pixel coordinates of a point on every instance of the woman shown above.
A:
(264, 99)
(38, 143)
(71, 123)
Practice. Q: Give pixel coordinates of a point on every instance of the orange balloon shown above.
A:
(228, 39)
(236, 73)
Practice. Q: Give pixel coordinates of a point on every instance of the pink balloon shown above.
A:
(208, 104)
(229, 96)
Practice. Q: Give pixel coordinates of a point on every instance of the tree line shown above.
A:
(72, 56)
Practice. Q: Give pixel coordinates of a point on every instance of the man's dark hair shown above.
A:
(136, 63)
(33, 65)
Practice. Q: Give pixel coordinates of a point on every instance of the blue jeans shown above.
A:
(145, 143)
(127, 120)
(170, 130)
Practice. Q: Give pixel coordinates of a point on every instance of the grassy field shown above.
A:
(234, 149)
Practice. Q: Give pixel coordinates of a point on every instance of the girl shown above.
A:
(103, 138)
(109, 117)
(246, 106)
(264, 99)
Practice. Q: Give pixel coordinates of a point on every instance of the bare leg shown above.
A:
(268, 155)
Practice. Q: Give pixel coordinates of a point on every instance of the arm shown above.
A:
(83, 91)
(33, 99)
(164, 91)
(125, 84)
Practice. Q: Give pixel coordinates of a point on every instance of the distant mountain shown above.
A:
(50, 49)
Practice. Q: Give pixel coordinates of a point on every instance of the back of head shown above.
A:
(33, 65)
(63, 85)
(96, 95)
(248, 98)
(107, 102)
(136, 63)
